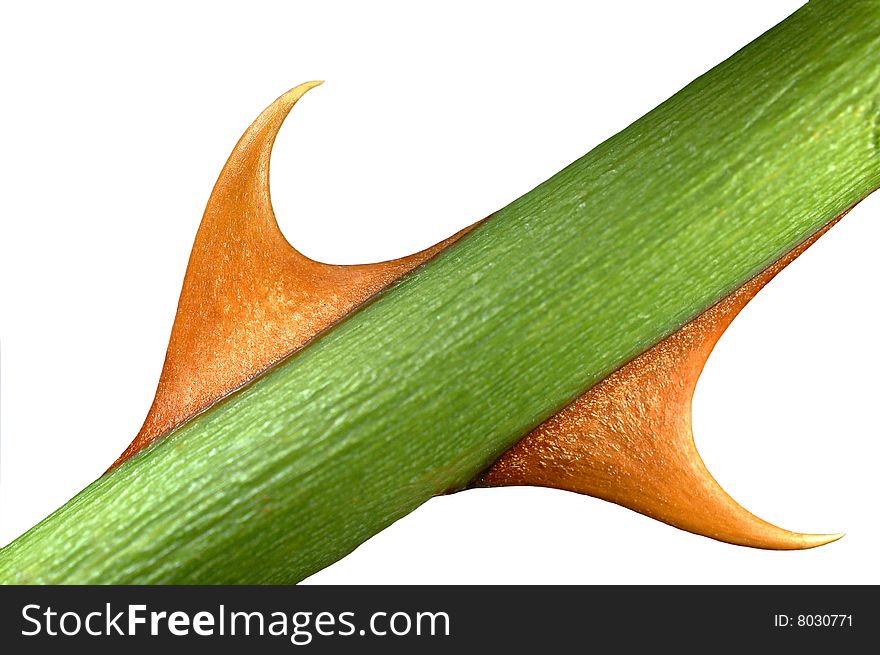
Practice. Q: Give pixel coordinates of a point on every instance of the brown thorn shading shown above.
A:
(249, 299)
(629, 439)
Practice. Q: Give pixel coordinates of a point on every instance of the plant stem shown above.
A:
(421, 389)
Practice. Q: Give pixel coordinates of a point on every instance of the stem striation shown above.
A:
(427, 385)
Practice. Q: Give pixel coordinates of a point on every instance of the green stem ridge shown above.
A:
(426, 385)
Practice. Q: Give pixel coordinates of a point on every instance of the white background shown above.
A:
(116, 121)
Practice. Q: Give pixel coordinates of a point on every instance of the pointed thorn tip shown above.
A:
(816, 540)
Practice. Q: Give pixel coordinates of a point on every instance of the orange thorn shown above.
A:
(629, 440)
(249, 299)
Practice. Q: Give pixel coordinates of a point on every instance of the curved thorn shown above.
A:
(628, 440)
(249, 298)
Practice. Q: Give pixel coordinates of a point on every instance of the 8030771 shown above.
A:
(813, 620)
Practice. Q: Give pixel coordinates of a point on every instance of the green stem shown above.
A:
(424, 387)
